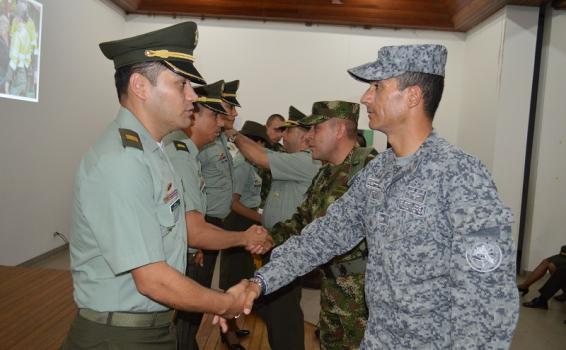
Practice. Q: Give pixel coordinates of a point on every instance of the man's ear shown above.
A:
(138, 86)
(414, 96)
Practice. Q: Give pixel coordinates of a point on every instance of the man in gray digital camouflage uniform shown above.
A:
(441, 264)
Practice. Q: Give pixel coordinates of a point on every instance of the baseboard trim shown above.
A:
(34, 261)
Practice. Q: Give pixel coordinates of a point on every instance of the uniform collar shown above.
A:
(193, 149)
(127, 120)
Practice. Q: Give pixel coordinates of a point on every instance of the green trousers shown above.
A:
(188, 323)
(343, 312)
(85, 334)
(236, 263)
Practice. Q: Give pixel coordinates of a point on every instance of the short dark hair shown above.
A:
(150, 70)
(361, 139)
(272, 118)
(431, 86)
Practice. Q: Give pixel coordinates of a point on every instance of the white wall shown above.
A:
(41, 143)
(546, 224)
(278, 64)
(496, 94)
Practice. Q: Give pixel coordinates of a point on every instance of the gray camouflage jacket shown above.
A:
(441, 266)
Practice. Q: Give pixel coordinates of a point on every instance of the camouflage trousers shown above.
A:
(343, 313)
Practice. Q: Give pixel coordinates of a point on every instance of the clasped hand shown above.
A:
(257, 240)
(243, 295)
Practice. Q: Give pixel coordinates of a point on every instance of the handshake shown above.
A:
(257, 240)
(242, 297)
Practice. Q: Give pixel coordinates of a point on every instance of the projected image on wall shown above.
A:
(20, 38)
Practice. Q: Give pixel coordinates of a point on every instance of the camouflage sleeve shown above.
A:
(333, 234)
(482, 266)
(293, 226)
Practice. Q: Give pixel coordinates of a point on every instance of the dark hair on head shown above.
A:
(272, 118)
(361, 139)
(150, 70)
(255, 138)
(431, 86)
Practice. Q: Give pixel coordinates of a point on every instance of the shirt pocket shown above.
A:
(168, 215)
(418, 250)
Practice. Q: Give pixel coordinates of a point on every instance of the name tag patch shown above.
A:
(415, 194)
(410, 207)
(175, 205)
(373, 184)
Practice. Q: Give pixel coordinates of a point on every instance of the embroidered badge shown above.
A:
(484, 256)
(180, 146)
(415, 194)
(373, 183)
(130, 138)
(411, 207)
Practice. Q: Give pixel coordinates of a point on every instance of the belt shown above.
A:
(128, 319)
(342, 269)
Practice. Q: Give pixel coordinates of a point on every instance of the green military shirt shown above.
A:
(127, 213)
(183, 154)
(247, 182)
(265, 175)
(217, 170)
(329, 184)
(184, 158)
(292, 174)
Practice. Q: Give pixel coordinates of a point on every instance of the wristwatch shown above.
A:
(232, 138)
(258, 279)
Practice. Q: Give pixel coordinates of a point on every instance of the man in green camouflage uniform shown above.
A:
(332, 138)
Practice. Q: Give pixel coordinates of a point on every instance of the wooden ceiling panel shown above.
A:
(449, 15)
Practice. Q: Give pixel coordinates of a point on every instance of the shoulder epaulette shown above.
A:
(360, 157)
(181, 146)
(130, 138)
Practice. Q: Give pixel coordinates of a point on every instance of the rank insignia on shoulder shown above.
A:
(181, 146)
(130, 138)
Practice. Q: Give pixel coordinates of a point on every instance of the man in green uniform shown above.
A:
(129, 239)
(183, 148)
(273, 126)
(217, 169)
(292, 174)
(236, 263)
(332, 139)
(274, 130)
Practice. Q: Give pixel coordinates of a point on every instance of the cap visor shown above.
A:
(231, 100)
(313, 119)
(187, 70)
(372, 71)
(214, 106)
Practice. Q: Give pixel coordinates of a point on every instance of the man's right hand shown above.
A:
(244, 294)
(257, 240)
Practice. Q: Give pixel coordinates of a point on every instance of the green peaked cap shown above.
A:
(325, 110)
(173, 46)
(230, 93)
(254, 129)
(210, 96)
(295, 118)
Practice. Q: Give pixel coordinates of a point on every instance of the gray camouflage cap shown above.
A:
(325, 110)
(393, 61)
